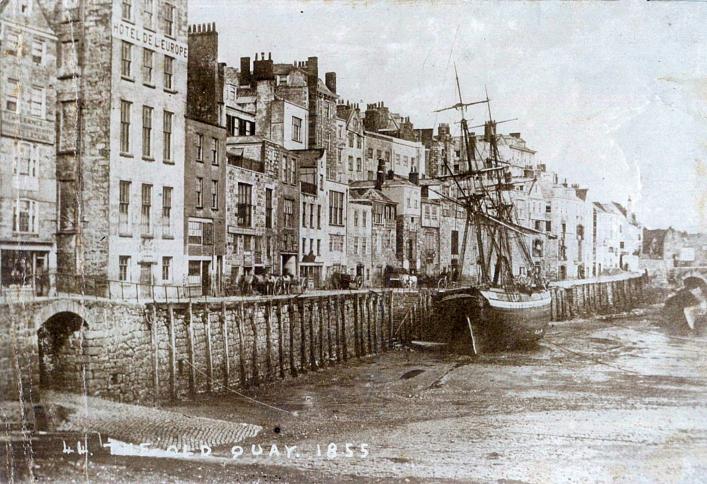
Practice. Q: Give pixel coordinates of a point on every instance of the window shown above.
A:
(126, 59)
(304, 214)
(355, 245)
(166, 211)
(125, 126)
(285, 168)
(145, 227)
(123, 264)
(166, 268)
(379, 155)
(67, 126)
(195, 233)
(351, 167)
(147, 13)
(364, 249)
(351, 140)
(359, 165)
(214, 151)
(231, 122)
(37, 51)
(37, 102)
(127, 9)
(169, 14)
(548, 208)
(359, 142)
(304, 246)
(199, 147)
(168, 71)
(214, 194)
(12, 94)
(336, 208)
(124, 207)
(167, 136)
(364, 217)
(355, 220)
(311, 215)
(548, 226)
(245, 205)
(67, 56)
(199, 189)
(455, 242)
(293, 171)
(296, 129)
(319, 247)
(289, 210)
(12, 43)
(25, 216)
(147, 63)
(26, 164)
(147, 132)
(268, 208)
(319, 216)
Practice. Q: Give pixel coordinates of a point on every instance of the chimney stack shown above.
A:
(244, 78)
(380, 175)
(330, 81)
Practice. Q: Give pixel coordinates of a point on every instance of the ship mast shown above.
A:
(486, 179)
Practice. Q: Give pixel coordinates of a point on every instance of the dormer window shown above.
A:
(281, 80)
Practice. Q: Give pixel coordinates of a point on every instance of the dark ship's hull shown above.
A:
(482, 321)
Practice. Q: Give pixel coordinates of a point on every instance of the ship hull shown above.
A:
(487, 321)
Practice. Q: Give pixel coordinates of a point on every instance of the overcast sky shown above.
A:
(612, 95)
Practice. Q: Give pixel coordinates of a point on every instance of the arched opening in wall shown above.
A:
(63, 357)
(695, 282)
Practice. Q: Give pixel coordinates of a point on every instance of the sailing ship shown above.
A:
(502, 310)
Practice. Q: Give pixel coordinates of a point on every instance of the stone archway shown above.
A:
(62, 351)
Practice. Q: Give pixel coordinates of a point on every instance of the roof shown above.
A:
(371, 194)
(321, 87)
(309, 158)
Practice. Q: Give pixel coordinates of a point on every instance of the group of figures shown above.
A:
(267, 284)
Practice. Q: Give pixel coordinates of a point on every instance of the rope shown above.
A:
(222, 386)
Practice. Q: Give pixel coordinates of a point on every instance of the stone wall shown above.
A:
(157, 352)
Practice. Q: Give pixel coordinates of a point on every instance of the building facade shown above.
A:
(27, 148)
(205, 164)
(253, 205)
(120, 156)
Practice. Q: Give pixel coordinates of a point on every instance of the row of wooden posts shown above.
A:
(596, 297)
(370, 332)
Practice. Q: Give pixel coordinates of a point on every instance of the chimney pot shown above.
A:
(269, 55)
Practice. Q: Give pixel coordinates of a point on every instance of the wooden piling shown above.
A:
(312, 339)
(280, 341)
(344, 342)
(226, 347)
(209, 355)
(291, 324)
(356, 307)
(240, 320)
(390, 320)
(155, 355)
(172, 353)
(254, 329)
(330, 355)
(338, 312)
(268, 340)
(320, 313)
(375, 304)
(190, 340)
(303, 337)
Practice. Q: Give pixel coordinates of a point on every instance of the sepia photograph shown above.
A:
(353, 241)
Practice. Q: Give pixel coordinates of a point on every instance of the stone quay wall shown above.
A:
(611, 294)
(159, 352)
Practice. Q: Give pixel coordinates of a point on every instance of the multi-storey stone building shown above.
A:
(383, 228)
(358, 250)
(352, 144)
(27, 147)
(205, 163)
(121, 106)
(313, 231)
(255, 207)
